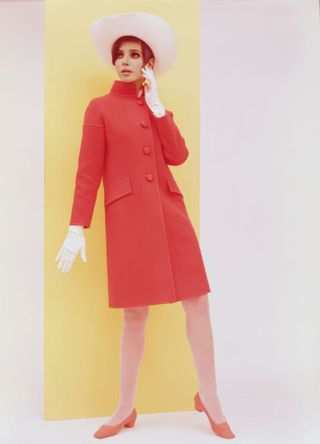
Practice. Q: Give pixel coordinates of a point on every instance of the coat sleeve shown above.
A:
(173, 144)
(90, 166)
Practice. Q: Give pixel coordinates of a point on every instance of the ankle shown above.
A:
(212, 397)
(124, 407)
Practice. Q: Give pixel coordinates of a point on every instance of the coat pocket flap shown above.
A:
(118, 189)
(173, 186)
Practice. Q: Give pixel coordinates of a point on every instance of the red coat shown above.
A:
(153, 255)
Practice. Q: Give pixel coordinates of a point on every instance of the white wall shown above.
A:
(21, 222)
(260, 184)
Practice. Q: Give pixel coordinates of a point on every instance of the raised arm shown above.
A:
(174, 148)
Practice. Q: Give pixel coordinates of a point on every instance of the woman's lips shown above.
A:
(126, 72)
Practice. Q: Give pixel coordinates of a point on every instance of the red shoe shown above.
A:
(222, 429)
(109, 430)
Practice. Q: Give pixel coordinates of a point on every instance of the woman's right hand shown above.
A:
(73, 243)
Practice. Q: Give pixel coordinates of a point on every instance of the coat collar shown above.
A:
(126, 89)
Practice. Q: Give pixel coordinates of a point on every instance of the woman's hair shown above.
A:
(146, 50)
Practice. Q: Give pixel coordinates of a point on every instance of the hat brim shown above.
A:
(150, 28)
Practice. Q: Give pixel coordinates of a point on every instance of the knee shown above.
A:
(196, 306)
(136, 315)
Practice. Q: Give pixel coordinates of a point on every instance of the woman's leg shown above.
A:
(200, 336)
(132, 346)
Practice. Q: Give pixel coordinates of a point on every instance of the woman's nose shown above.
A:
(125, 59)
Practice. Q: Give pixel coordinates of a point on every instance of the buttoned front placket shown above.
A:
(152, 177)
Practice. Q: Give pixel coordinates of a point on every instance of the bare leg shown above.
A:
(200, 336)
(132, 347)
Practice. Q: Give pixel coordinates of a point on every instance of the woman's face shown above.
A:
(129, 61)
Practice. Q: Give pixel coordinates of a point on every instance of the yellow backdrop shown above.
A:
(82, 334)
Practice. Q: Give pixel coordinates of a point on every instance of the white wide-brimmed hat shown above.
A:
(152, 29)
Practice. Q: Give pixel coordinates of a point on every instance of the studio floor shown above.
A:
(278, 423)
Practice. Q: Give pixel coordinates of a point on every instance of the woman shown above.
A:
(153, 255)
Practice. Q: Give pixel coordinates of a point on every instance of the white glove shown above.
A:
(151, 92)
(74, 242)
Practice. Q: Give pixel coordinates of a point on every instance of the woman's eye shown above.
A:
(133, 54)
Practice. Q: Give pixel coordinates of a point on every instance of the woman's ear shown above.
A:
(151, 62)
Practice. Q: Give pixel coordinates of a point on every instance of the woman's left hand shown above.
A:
(151, 92)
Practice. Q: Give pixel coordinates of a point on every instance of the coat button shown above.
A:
(140, 102)
(144, 124)
(149, 177)
(146, 150)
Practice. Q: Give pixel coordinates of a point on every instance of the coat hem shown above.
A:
(205, 291)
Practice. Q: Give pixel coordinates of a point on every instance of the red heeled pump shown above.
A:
(109, 430)
(222, 429)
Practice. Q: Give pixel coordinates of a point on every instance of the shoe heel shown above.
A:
(197, 404)
(131, 421)
(199, 409)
